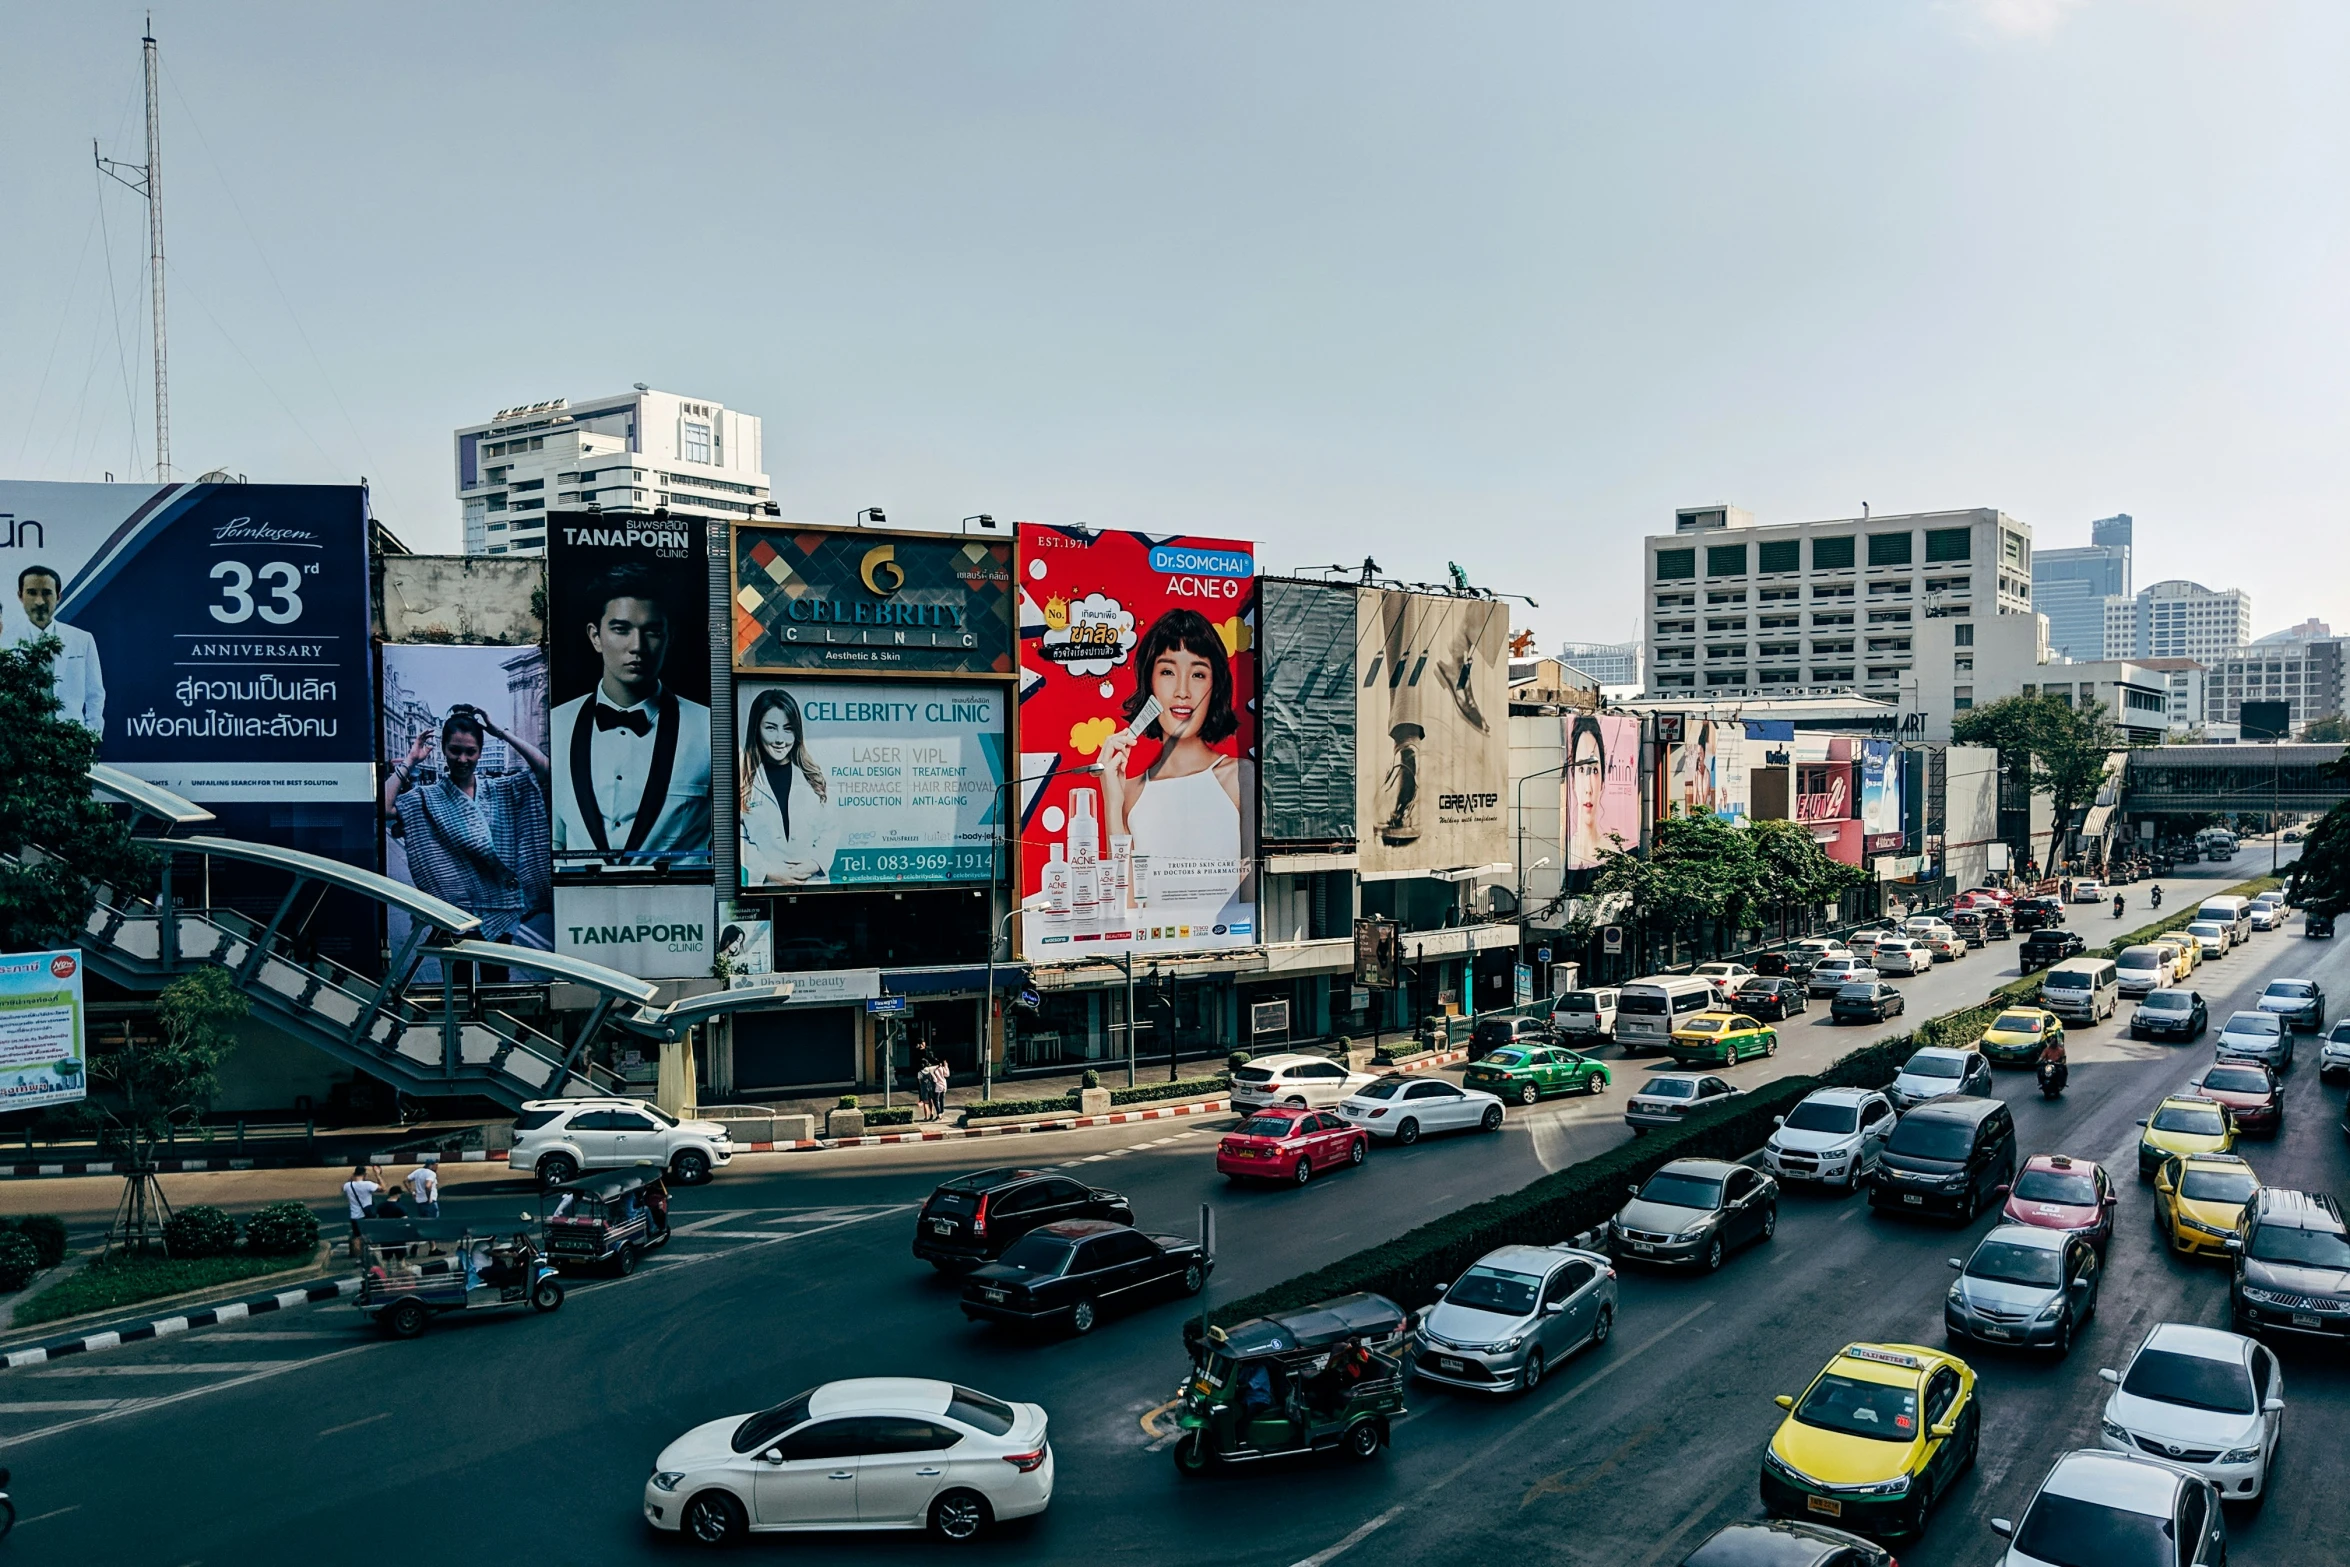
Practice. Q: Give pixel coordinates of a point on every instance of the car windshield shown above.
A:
(1926, 1063)
(1491, 1289)
(1641, 1004)
(2019, 1023)
(2200, 1183)
(2192, 1120)
(1931, 1139)
(1702, 1025)
(981, 1412)
(2068, 979)
(2005, 1262)
(2236, 1080)
(1576, 1001)
(1815, 1115)
(2254, 1023)
(2168, 1377)
(2169, 1001)
(1044, 1254)
(760, 1431)
(1268, 1126)
(2204, 928)
(1839, 1403)
(1668, 1088)
(1865, 990)
(2291, 990)
(2303, 1248)
(2065, 1531)
(1509, 1057)
(2140, 957)
(1676, 1190)
(2057, 1186)
(1385, 1088)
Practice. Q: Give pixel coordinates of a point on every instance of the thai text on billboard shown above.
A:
(43, 1055)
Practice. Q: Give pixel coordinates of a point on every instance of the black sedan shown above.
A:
(1784, 1543)
(2170, 1014)
(972, 1218)
(2046, 946)
(1070, 1274)
(1771, 1000)
(1868, 1001)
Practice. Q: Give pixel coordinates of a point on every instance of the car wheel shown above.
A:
(1603, 1325)
(1363, 1440)
(625, 1263)
(1304, 1171)
(547, 1295)
(2064, 1338)
(1595, 1084)
(1771, 1043)
(1192, 1457)
(1359, 1151)
(691, 1167)
(1770, 1224)
(959, 1516)
(1193, 1279)
(1531, 1377)
(1713, 1256)
(1082, 1317)
(1407, 1131)
(405, 1320)
(713, 1518)
(1925, 1507)
(555, 1169)
(1528, 1093)
(1296, 1100)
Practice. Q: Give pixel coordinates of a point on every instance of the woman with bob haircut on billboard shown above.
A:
(786, 828)
(1188, 811)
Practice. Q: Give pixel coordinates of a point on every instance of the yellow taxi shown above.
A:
(2183, 1124)
(2190, 954)
(2017, 1036)
(1879, 1434)
(1721, 1039)
(2198, 1200)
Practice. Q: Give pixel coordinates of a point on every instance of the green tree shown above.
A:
(2321, 877)
(2332, 729)
(1792, 870)
(45, 898)
(155, 1086)
(2058, 748)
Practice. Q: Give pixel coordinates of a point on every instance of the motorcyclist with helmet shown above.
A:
(2052, 1070)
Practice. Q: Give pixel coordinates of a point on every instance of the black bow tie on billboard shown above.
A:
(635, 720)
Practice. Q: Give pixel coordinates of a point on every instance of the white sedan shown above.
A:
(1724, 977)
(873, 1453)
(1293, 1079)
(1404, 1107)
(2087, 891)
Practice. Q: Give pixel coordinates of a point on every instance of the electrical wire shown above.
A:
(114, 308)
(64, 313)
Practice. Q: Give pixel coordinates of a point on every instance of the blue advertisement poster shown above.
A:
(848, 783)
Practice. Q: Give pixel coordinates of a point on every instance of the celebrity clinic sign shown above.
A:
(863, 602)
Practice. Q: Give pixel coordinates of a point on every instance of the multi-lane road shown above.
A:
(306, 1433)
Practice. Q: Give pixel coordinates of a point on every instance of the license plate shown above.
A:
(1913, 1198)
(995, 1295)
(2302, 1319)
(1991, 1332)
(1642, 1246)
(1447, 1363)
(1824, 1504)
(942, 1226)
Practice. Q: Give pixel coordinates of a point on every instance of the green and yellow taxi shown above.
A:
(1721, 1039)
(2199, 1199)
(1527, 1072)
(1879, 1434)
(2017, 1036)
(2183, 1124)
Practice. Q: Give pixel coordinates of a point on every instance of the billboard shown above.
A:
(1599, 792)
(1880, 796)
(848, 783)
(1706, 772)
(1138, 703)
(1432, 697)
(465, 786)
(44, 1058)
(863, 602)
(1307, 652)
(652, 932)
(628, 626)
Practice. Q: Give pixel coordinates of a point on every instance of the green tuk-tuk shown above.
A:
(1325, 1378)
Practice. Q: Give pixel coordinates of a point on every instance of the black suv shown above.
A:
(972, 1218)
(1950, 1156)
(2292, 1259)
(2046, 946)
(2038, 913)
(1492, 1033)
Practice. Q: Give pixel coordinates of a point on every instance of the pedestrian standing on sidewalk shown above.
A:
(424, 1189)
(938, 1088)
(359, 1192)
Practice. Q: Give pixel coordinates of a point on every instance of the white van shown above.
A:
(2145, 968)
(2229, 910)
(1648, 1010)
(1585, 1014)
(2082, 990)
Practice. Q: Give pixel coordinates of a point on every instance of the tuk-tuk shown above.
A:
(1327, 1378)
(608, 1219)
(412, 1268)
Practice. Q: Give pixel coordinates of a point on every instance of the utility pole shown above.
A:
(149, 184)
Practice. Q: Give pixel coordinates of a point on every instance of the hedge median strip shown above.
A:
(1585, 1196)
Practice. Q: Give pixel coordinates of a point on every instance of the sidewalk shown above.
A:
(961, 1095)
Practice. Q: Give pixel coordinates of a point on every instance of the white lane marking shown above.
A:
(1093, 1158)
(1321, 1558)
(192, 1368)
(267, 1336)
(734, 1235)
(139, 1405)
(54, 1512)
(61, 1405)
(699, 1225)
(353, 1425)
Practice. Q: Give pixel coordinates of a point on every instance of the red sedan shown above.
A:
(2250, 1091)
(1288, 1143)
(2057, 1192)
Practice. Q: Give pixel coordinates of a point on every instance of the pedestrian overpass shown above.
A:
(2196, 780)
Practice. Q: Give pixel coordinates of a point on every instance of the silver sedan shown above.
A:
(1519, 1311)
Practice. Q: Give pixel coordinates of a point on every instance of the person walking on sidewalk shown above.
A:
(424, 1189)
(359, 1192)
(937, 1077)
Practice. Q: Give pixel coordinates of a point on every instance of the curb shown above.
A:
(165, 1327)
(959, 1133)
(187, 1166)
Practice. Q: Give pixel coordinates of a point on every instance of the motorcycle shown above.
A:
(2052, 1075)
(2117, 905)
(2156, 895)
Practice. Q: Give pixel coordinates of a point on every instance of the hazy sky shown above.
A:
(1499, 284)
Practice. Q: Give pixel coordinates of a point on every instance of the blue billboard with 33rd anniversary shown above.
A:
(847, 783)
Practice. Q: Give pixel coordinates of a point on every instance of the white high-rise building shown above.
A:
(2178, 619)
(637, 451)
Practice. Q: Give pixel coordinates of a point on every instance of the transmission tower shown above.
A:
(149, 183)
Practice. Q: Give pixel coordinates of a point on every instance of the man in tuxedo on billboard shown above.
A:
(632, 757)
(80, 686)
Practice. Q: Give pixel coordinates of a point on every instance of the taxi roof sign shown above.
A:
(1887, 1357)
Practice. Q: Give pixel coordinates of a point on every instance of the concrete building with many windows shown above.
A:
(2070, 586)
(1609, 663)
(1735, 608)
(2305, 674)
(2177, 619)
(1964, 664)
(639, 451)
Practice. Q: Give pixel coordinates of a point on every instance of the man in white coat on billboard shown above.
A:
(632, 757)
(81, 686)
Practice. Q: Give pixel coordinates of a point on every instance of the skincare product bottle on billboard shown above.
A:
(1121, 870)
(1085, 895)
(1085, 833)
(1138, 881)
(1056, 885)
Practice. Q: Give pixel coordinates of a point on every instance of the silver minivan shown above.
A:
(2144, 968)
(2082, 990)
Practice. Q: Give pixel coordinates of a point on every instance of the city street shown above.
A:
(793, 1269)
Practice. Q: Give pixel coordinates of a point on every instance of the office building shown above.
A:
(2183, 679)
(2305, 674)
(639, 451)
(2071, 586)
(1735, 608)
(2177, 619)
(1608, 663)
(1964, 664)
(2310, 630)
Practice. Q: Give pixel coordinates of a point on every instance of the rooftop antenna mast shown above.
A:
(149, 183)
